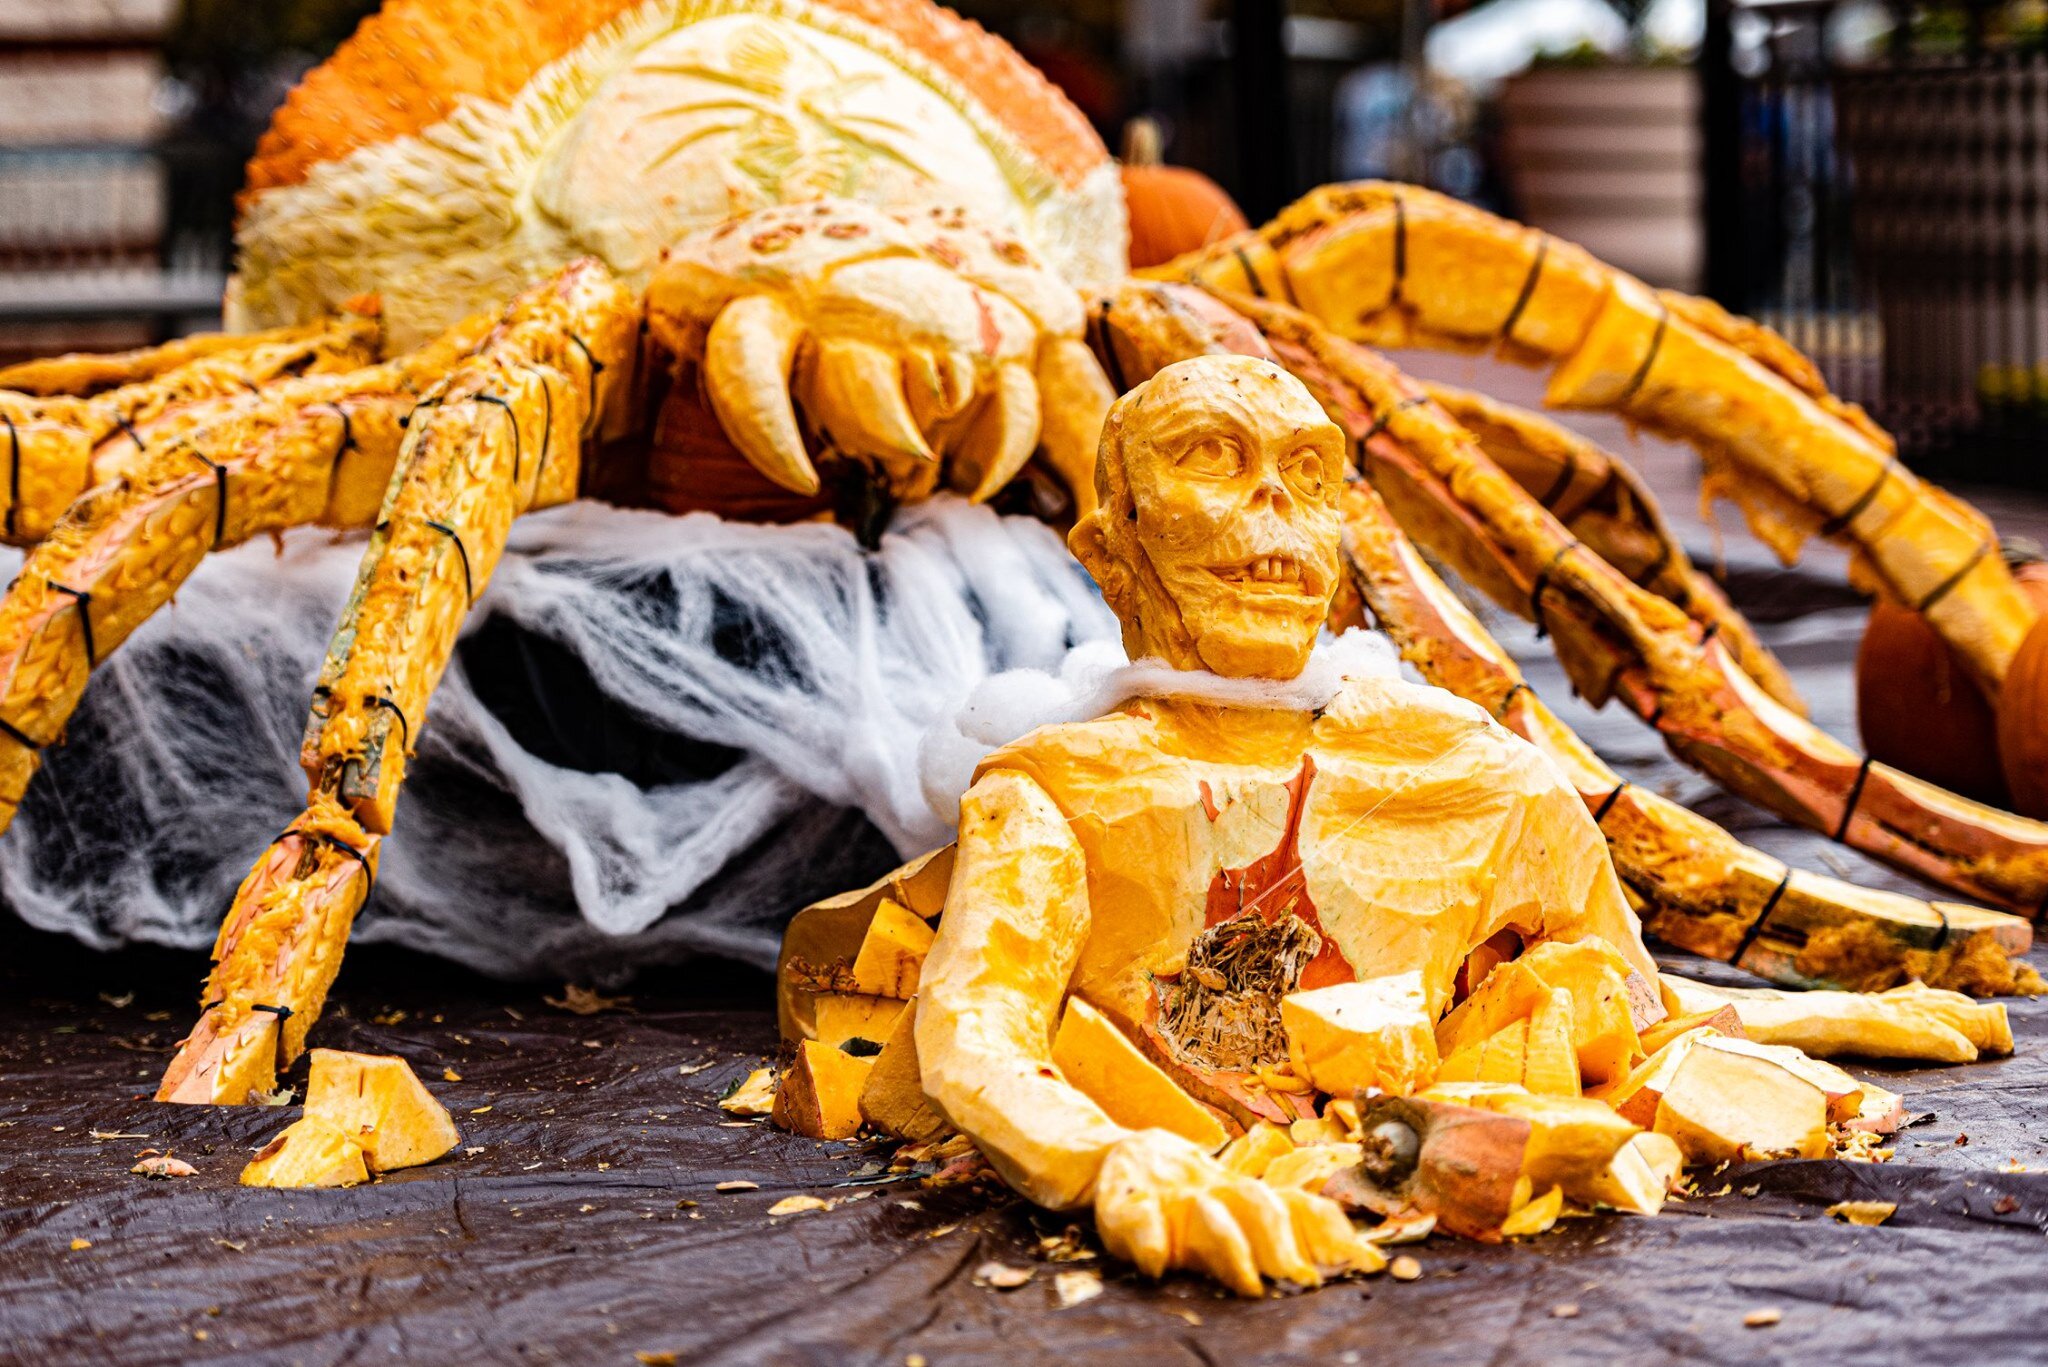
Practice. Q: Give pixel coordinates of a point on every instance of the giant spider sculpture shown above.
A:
(777, 257)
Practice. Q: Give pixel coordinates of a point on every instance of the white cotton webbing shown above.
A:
(798, 673)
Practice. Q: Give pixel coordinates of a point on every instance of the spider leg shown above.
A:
(52, 449)
(500, 435)
(340, 343)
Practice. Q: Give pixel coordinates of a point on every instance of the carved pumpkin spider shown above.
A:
(958, 315)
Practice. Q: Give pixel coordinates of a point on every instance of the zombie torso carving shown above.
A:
(1355, 838)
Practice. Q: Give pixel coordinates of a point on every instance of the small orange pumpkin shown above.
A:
(1918, 708)
(1172, 209)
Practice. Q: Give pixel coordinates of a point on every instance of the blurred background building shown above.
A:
(1870, 176)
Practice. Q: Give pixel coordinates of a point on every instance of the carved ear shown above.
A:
(1090, 546)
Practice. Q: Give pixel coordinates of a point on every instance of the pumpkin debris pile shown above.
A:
(365, 1114)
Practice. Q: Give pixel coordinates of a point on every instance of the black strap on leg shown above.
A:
(220, 492)
(1400, 247)
(348, 430)
(1855, 796)
(1839, 523)
(404, 726)
(1756, 927)
(1251, 277)
(283, 1013)
(13, 471)
(1940, 936)
(1563, 481)
(128, 429)
(336, 843)
(82, 599)
(596, 369)
(468, 584)
(494, 399)
(1607, 803)
(1380, 421)
(1507, 699)
(547, 431)
(1543, 582)
(1946, 586)
(1635, 381)
(9, 729)
(1527, 292)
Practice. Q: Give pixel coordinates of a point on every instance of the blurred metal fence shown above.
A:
(1890, 215)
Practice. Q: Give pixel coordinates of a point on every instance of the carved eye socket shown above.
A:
(1308, 470)
(1212, 458)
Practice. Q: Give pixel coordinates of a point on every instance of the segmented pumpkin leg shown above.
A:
(1698, 886)
(1606, 504)
(1618, 641)
(53, 449)
(347, 342)
(124, 549)
(1393, 265)
(503, 433)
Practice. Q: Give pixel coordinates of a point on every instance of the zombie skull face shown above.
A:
(1216, 539)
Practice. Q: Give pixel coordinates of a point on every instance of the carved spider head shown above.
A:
(1216, 539)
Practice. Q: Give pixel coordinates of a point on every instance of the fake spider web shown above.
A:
(659, 737)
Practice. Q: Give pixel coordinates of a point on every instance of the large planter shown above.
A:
(1609, 158)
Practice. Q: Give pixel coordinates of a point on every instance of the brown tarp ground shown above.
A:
(581, 1223)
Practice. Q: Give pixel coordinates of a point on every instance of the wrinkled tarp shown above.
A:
(581, 1219)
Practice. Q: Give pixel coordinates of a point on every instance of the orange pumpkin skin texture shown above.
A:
(1174, 210)
(2023, 725)
(1919, 709)
(409, 65)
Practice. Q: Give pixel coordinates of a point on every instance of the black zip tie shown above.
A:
(468, 584)
(128, 429)
(1507, 699)
(1110, 360)
(13, 471)
(547, 431)
(1855, 796)
(283, 1013)
(1251, 277)
(1943, 589)
(1380, 421)
(348, 430)
(1543, 582)
(1839, 523)
(516, 458)
(1607, 803)
(1563, 481)
(1756, 927)
(1528, 291)
(82, 598)
(9, 728)
(431, 401)
(596, 369)
(404, 726)
(1400, 247)
(333, 842)
(1940, 936)
(1635, 381)
(220, 492)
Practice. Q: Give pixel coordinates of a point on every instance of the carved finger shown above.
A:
(855, 396)
(1001, 437)
(1134, 1227)
(1327, 1234)
(1268, 1226)
(747, 358)
(1214, 1243)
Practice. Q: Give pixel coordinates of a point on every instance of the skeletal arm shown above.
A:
(1017, 915)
